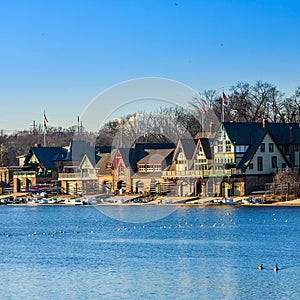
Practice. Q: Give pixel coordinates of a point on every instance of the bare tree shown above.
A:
(286, 182)
(291, 107)
(253, 103)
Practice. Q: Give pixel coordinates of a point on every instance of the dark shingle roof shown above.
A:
(143, 146)
(132, 155)
(128, 156)
(101, 165)
(47, 155)
(250, 152)
(78, 149)
(188, 147)
(155, 155)
(243, 133)
(248, 133)
(281, 132)
(103, 149)
(206, 147)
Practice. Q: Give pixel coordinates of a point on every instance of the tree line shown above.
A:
(246, 103)
(252, 103)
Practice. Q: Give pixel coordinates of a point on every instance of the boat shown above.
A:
(75, 201)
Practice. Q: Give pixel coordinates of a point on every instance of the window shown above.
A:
(142, 168)
(228, 146)
(241, 148)
(271, 147)
(220, 146)
(108, 165)
(157, 168)
(259, 163)
(121, 171)
(262, 147)
(250, 166)
(274, 161)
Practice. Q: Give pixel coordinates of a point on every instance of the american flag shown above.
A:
(224, 99)
(45, 120)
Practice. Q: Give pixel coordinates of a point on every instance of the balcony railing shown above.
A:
(201, 173)
(32, 174)
(185, 173)
(77, 176)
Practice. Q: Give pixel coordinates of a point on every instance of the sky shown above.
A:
(57, 56)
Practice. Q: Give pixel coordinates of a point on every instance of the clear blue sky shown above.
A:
(58, 55)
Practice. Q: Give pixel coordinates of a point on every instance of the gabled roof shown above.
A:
(101, 165)
(155, 155)
(188, 147)
(127, 156)
(131, 156)
(250, 152)
(205, 142)
(78, 149)
(252, 134)
(86, 159)
(163, 156)
(46, 156)
(243, 133)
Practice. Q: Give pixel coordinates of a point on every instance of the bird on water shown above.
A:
(276, 268)
(260, 267)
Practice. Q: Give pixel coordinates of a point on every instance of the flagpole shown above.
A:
(45, 126)
(222, 107)
(44, 137)
(204, 105)
(222, 118)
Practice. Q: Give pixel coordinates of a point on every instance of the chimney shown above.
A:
(264, 123)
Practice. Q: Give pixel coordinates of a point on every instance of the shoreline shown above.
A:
(138, 200)
(181, 202)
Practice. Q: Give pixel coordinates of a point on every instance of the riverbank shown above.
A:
(66, 200)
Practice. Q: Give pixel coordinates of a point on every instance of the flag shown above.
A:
(224, 99)
(204, 106)
(45, 120)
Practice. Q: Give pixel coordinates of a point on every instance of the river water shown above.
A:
(54, 252)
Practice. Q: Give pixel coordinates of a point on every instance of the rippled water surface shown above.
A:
(52, 252)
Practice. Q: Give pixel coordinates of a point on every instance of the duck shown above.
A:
(276, 268)
(260, 267)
